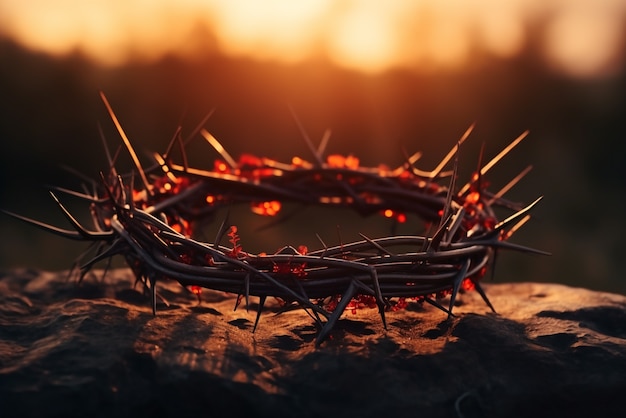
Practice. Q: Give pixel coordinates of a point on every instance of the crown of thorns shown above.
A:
(151, 226)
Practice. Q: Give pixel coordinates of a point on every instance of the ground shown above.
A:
(97, 350)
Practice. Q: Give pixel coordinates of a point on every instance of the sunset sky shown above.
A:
(582, 38)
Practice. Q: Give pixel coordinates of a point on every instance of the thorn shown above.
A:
(170, 145)
(509, 185)
(455, 223)
(377, 245)
(458, 279)
(307, 139)
(247, 290)
(258, 313)
(497, 158)
(237, 301)
(379, 297)
(339, 309)
(516, 227)
(516, 215)
(323, 245)
(445, 217)
(483, 295)
(128, 145)
(219, 148)
(153, 295)
(47, 227)
(494, 260)
(107, 152)
(199, 126)
(452, 153)
(433, 243)
(222, 231)
(438, 306)
(321, 149)
(183, 153)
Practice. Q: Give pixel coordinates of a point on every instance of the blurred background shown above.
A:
(382, 76)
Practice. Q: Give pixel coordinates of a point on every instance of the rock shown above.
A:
(97, 350)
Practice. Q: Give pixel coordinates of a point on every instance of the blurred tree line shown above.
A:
(50, 116)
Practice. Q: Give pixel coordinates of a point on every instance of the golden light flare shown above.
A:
(580, 37)
(271, 29)
(577, 40)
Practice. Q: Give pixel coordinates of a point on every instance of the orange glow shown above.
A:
(339, 161)
(468, 284)
(472, 198)
(220, 166)
(196, 290)
(577, 40)
(582, 38)
(270, 208)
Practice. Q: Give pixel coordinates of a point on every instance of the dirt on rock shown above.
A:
(96, 350)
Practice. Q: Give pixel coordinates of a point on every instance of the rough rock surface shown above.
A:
(97, 350)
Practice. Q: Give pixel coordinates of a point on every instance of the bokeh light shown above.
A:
(582, 38)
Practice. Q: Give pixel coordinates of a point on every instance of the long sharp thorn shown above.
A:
(375, 244)
(408, 164)
(106, 254)
(454, 151)
(483, 295)
(107, 152)
(438, 306)
(504, 152)
(323, 245)
(510, 184)
(497, 158)
(116, 155)
(361, 286)
(516, 215)
(307, 139)
(199, 127)
(494, 261)
(518, 247)
(69, 217)
(47, 227)
(480, 165)
(247, 290)
(339, 309)
(516, 227)
(183, 153)
(75, 264)
(170, 145)
(222, 231)
(433, 243)
(321, 149)
(128, 145)
(219, 148)
(153, 294)
(379, 297)
(258, 312)
(74, 193)
(123, 189)
(237, 301)
(448, 204)
(458, 279)
(455, 223)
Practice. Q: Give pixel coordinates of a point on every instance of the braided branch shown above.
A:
(152, 227)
